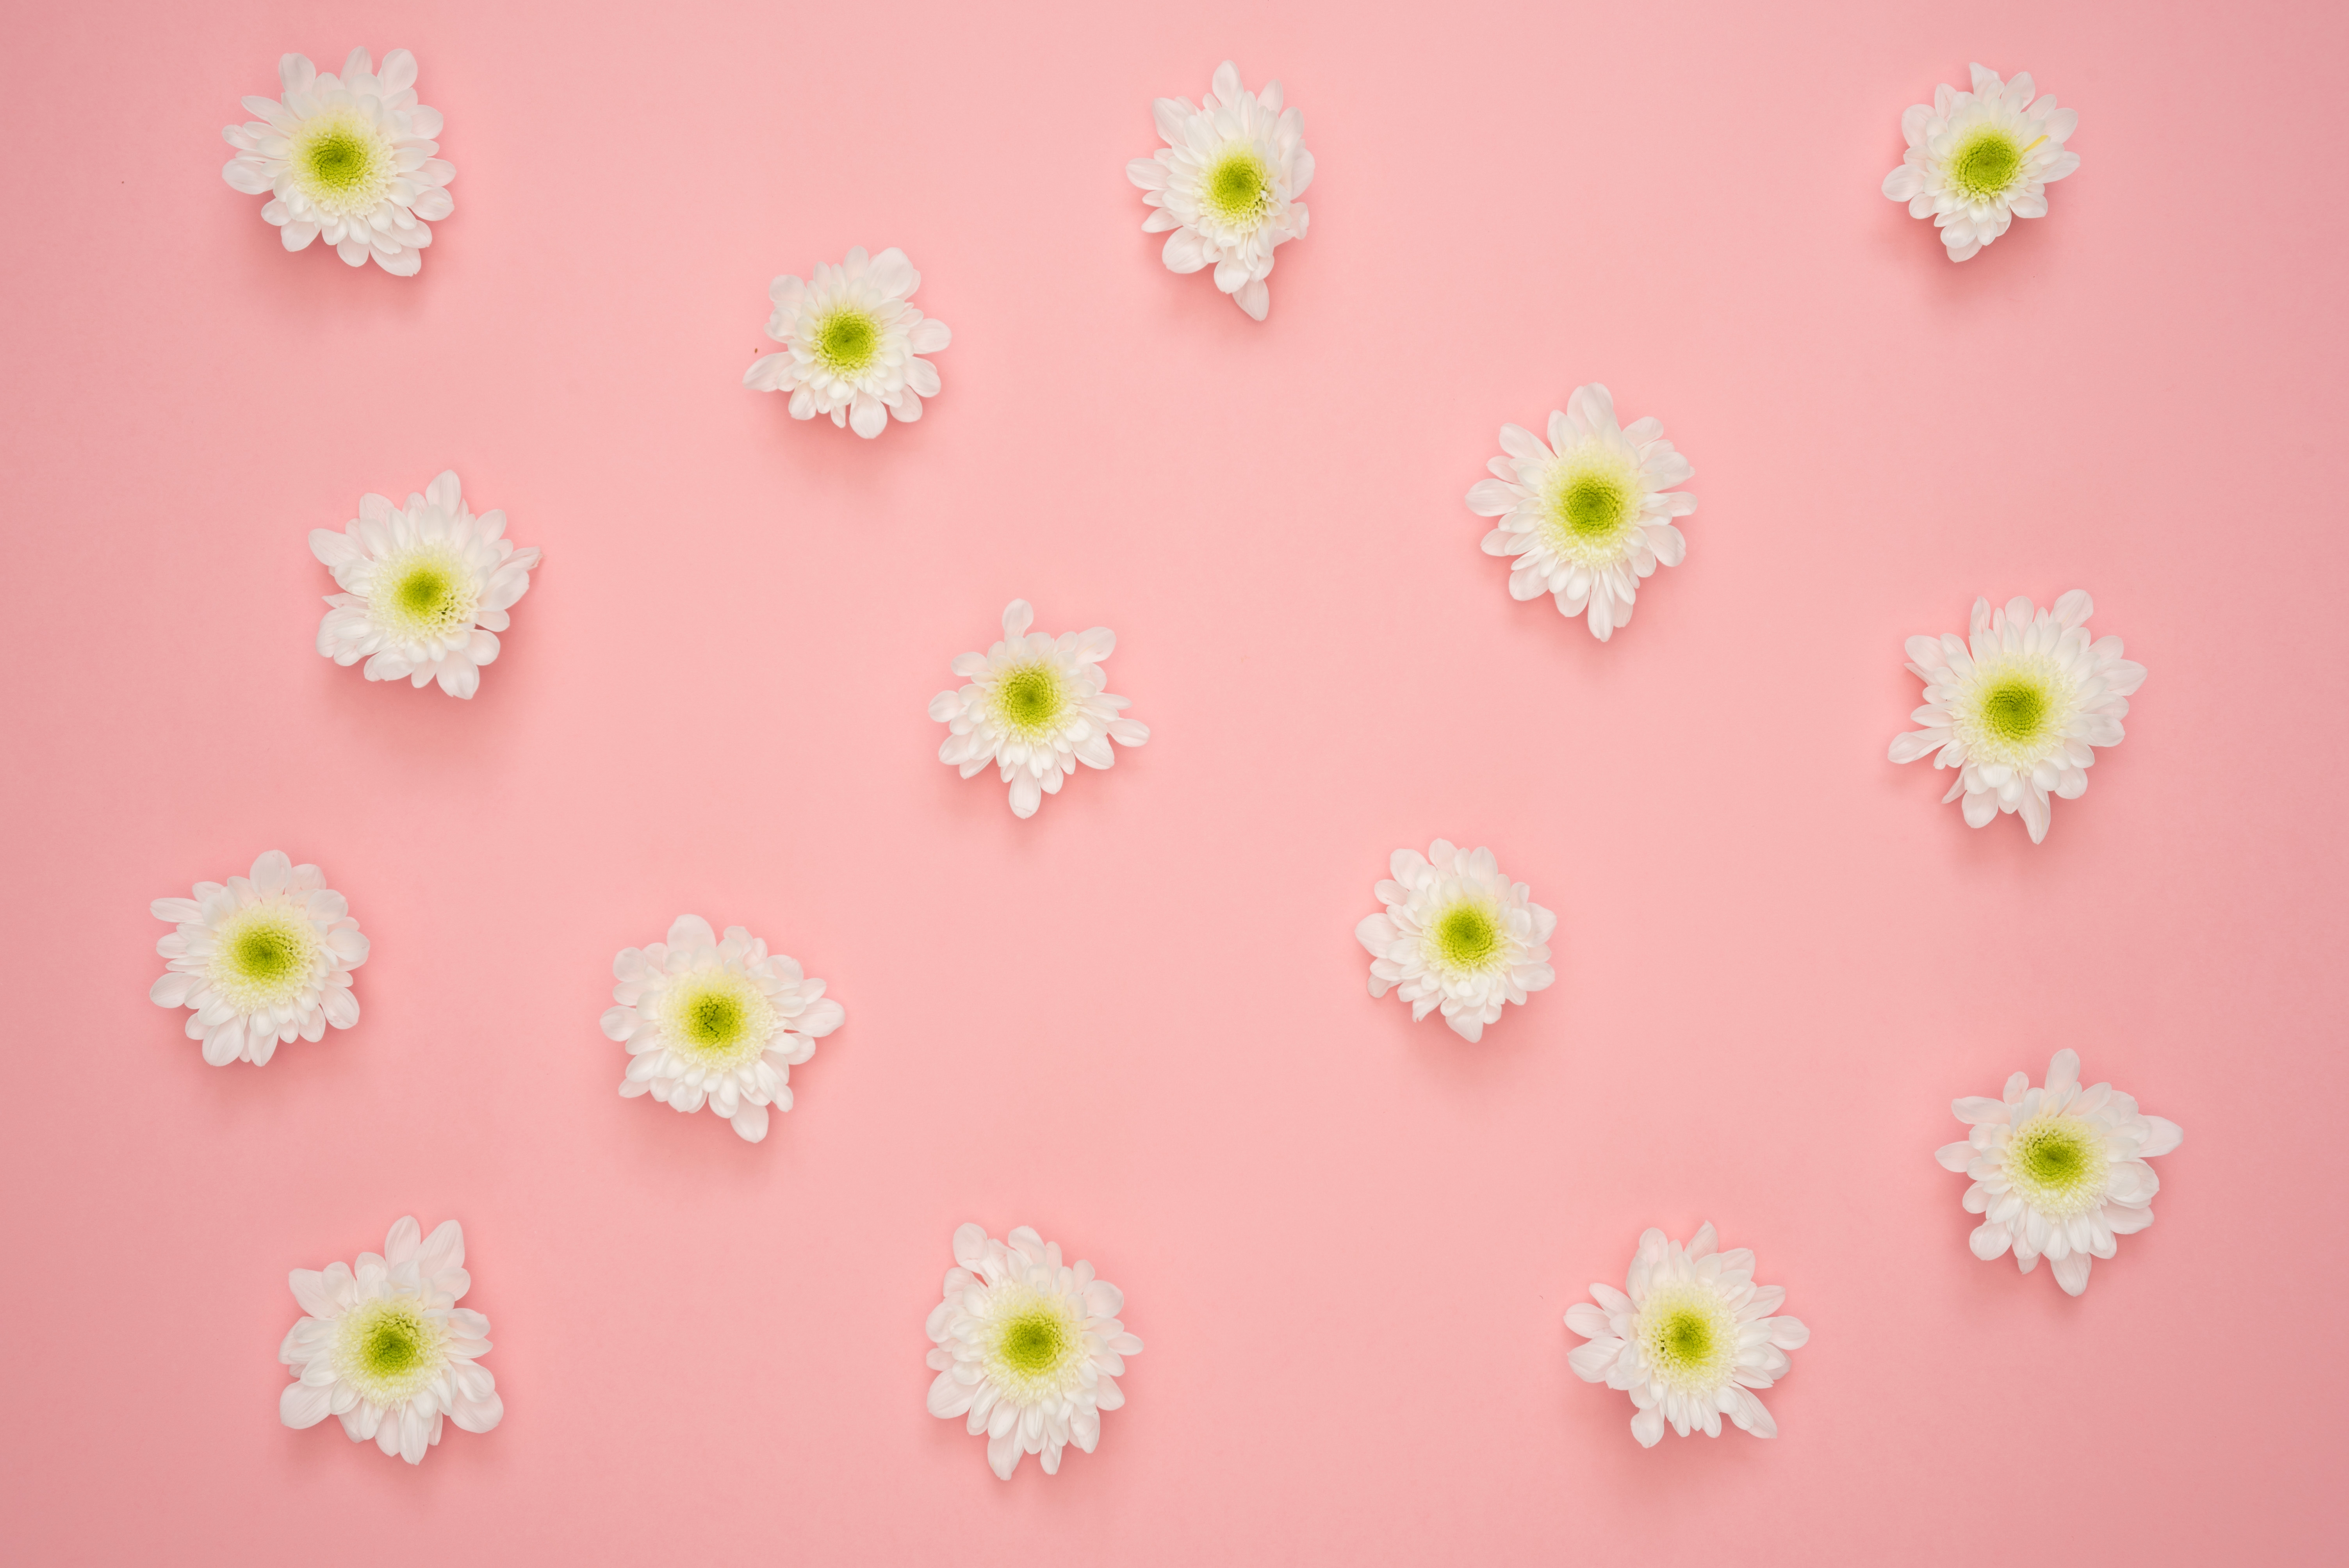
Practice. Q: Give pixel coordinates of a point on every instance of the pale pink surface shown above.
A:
(1138, 1021)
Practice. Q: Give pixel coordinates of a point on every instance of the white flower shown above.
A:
(349, 159)
(1035, 706)
(714, 1022)
(387, 1347)
(1689, 1337)
(1029, 1347)
(2021, 710)
(1456, 935)
(849, 344)
(426, 588)
(1590, 514)
(1227, 183)
(1978, 160)
(263, 959)
(2059, 1170)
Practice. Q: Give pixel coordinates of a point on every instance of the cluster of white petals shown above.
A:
(2058, 1171)
(386, 1347)
(1978, 160)
(851, 344)
(349, 159)
(426, 588)
(1226, 183)
(1456, 935)
(1689, 1337)
(1035, 706)
(1028, 1348)
(260, 959)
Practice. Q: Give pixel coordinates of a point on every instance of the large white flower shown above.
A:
(425, 588)
(850, 342)
(1227, 183)
(2058, 1171)
(260, 960)
(1689, 1337)
(1457, 934)
(2020, 710)
(1590, 514)
(1977, 160)
(1029, 1348)
(385, 1346)
(1034, 705)
(716, 1022)
(350, 159)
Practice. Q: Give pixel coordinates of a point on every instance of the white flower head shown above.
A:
(720, 1023)
(1227, 183)
(2019, 710)
(1028, 1348)
(850, 343)
(1588, 513)
(426, 588)
(260, 960)
(1457, 934)
(1689, 1337)
(1978, 160)
(2059, 1170)
(349, 157)
(1035, 706)
(385, 1346)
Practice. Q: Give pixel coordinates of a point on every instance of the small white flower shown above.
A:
(713, 1022)
(1689, 1337)
(261, 960)
(1977, 160)
(1035, 706)
(1028, 1347)
(426, 588)
(849, 344)
(387, 1347)
(1456, 935)
(2059, 1170)
(2020, 711)
(1227, 183)
(1590, 514)
(348, 159)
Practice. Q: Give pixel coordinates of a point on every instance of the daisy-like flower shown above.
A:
(425, 588)
(1689, 1337)
(850, 342)
(350, 159)
(716, 1022)
(1590, 514)
(387, 1347)
(2058, 1171)
(2020, 711)
(1029, 1347)
(260, 960)
(1457, 934)
(1034, 707)
(1227, 183)
(1978, 160)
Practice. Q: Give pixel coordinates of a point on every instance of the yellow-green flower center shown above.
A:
(847, 341)
(2015, 710)
(1986, 163)
(718, 1017)
(1468, 935)
(1034, 1342)
(1030, 698)
(390, 1351)
(1037, 1347)
(1593, 497)
(341, 163)
(1688, 1334)
(425, 594)
(2058, 1164)
(264, 955)
(1238, 187)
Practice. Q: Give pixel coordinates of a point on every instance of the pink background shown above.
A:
(1138, 1021)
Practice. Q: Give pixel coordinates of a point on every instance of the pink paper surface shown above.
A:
(1138, 1022)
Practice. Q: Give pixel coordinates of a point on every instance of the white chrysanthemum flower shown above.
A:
(2058, 1171)
(1689, 1337)
(1457, 934)
(1034, 706)
(348, 159)
(264, 958)
(849, 344)
(1979, 159)
(1227, 183)
(2020, 711)
(426, 588)
(1590, 514)
(716, 1022)
(1029, 1347)
(387, 1347)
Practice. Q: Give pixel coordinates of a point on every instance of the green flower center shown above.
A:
(1987, 164)
(1688, 1334)
(341, 163)
(719, 1017)
(1467, 936)
(2058, 1162)
(1593, 506)
(2015, 710)
(390, 1350)
(1238, 186)
(267, 954)
(847, 342)
(264, 957)
(425, 594)
(1594, 495)
(1034, 1342)
(1029, 698)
